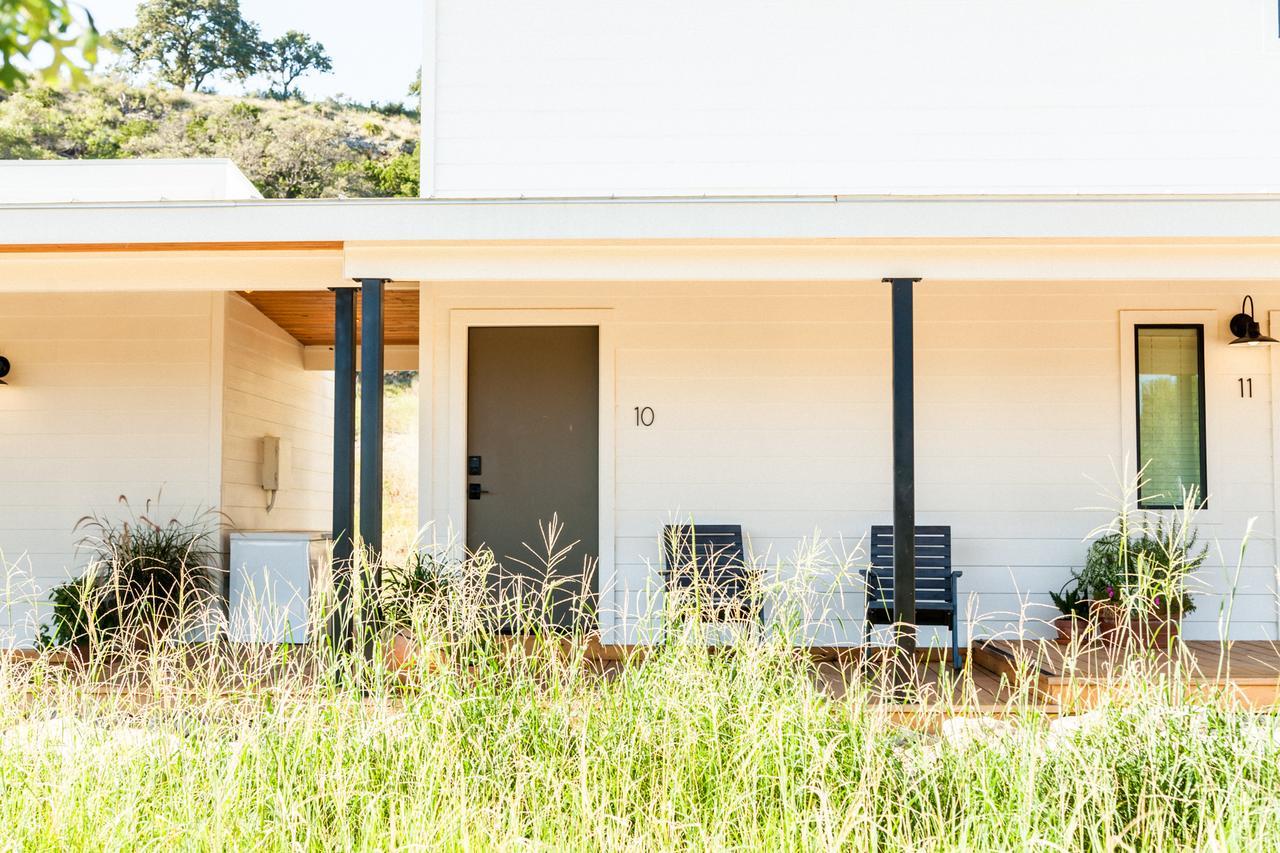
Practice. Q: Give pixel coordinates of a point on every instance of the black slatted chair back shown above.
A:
(936, 598)
(933, 568)
(711, 559)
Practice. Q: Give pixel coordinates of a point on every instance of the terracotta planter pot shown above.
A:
(1158, 631)
(1068, 625)
(1114, 626)
(407, 658)
(113, 649)
(1107, 623)
(78, 654)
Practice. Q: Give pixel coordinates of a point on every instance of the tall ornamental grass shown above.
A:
(689, 749)
(702, 742)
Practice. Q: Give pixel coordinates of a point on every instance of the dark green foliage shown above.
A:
(401, 379)
(289, 149)
(392, 109)
(1151, 563)
(79, 614)
(1072, 599)
(143, 576)
(398, 177)
(46, 38)
(188, 41)
(414, 587)
(1104, 566)
(290, 57)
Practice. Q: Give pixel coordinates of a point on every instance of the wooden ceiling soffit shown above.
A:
(308, 315)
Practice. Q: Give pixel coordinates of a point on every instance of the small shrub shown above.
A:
(1072, 599)
(1143, 562)
(246, 110)
(419, 584)
(78, 614)
(143, 576)
(398, 177)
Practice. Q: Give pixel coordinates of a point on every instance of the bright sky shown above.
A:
(376, 45)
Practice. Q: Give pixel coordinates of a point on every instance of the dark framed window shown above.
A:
(1169, 383)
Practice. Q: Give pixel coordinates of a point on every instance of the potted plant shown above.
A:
(1137, 577)
(1072, 600)
(415, 605)
(144, 580)
(82, 614)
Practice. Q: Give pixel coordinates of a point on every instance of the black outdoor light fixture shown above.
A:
(1246, 329)
(4, 369)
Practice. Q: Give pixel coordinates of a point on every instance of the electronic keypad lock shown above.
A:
(473, 466)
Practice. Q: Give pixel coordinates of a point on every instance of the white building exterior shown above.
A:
(831, 97)
(720, 188)
(53, 181)
(163, 398)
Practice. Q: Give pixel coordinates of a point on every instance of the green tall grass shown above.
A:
(688, 750)
(487, 743)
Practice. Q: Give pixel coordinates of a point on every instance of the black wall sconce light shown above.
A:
(4, 369)
(1246, 329)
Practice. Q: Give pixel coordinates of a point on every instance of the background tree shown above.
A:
(187, 41)
(290, 57)
(26, 25)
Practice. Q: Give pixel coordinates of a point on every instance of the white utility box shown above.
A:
(273, 576)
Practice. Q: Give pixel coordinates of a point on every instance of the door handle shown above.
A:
(475, 490)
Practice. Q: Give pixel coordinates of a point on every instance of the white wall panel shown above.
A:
(110, 395)
(268, 391)
(601, 97)
(772, 411)
(144, 395)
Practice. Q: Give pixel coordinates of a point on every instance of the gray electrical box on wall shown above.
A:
(277, 462)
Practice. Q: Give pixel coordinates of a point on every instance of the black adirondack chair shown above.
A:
(711, 559)
(936, 599)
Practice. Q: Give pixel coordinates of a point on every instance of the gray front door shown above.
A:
(533, 433)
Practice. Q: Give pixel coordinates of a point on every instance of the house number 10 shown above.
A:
(644, 416)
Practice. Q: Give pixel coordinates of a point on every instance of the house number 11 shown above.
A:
(1246, 387)
(644, 416)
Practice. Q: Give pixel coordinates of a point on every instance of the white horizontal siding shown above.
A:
(601, 97)
(772, 410)
(109, 396)
(267, 391)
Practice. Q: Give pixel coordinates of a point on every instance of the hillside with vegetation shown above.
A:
(289, 148)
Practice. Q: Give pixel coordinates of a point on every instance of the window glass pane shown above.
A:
(1170, 409)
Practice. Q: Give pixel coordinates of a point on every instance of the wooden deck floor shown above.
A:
(1248, 672)
(932, 681)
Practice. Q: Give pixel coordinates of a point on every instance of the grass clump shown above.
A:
(689, 750)
(700, 740)
(145, 574)
(500, 743)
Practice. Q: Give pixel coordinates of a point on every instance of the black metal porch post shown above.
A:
(372, 362)
(904, 469)
(344, 465)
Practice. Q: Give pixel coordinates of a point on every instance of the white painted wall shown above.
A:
(110, 395)
(55, 181)
(600, 97)
(772, 410)
(144, 395)
(268, 391)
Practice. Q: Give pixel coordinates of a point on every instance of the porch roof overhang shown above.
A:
(304, 245)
